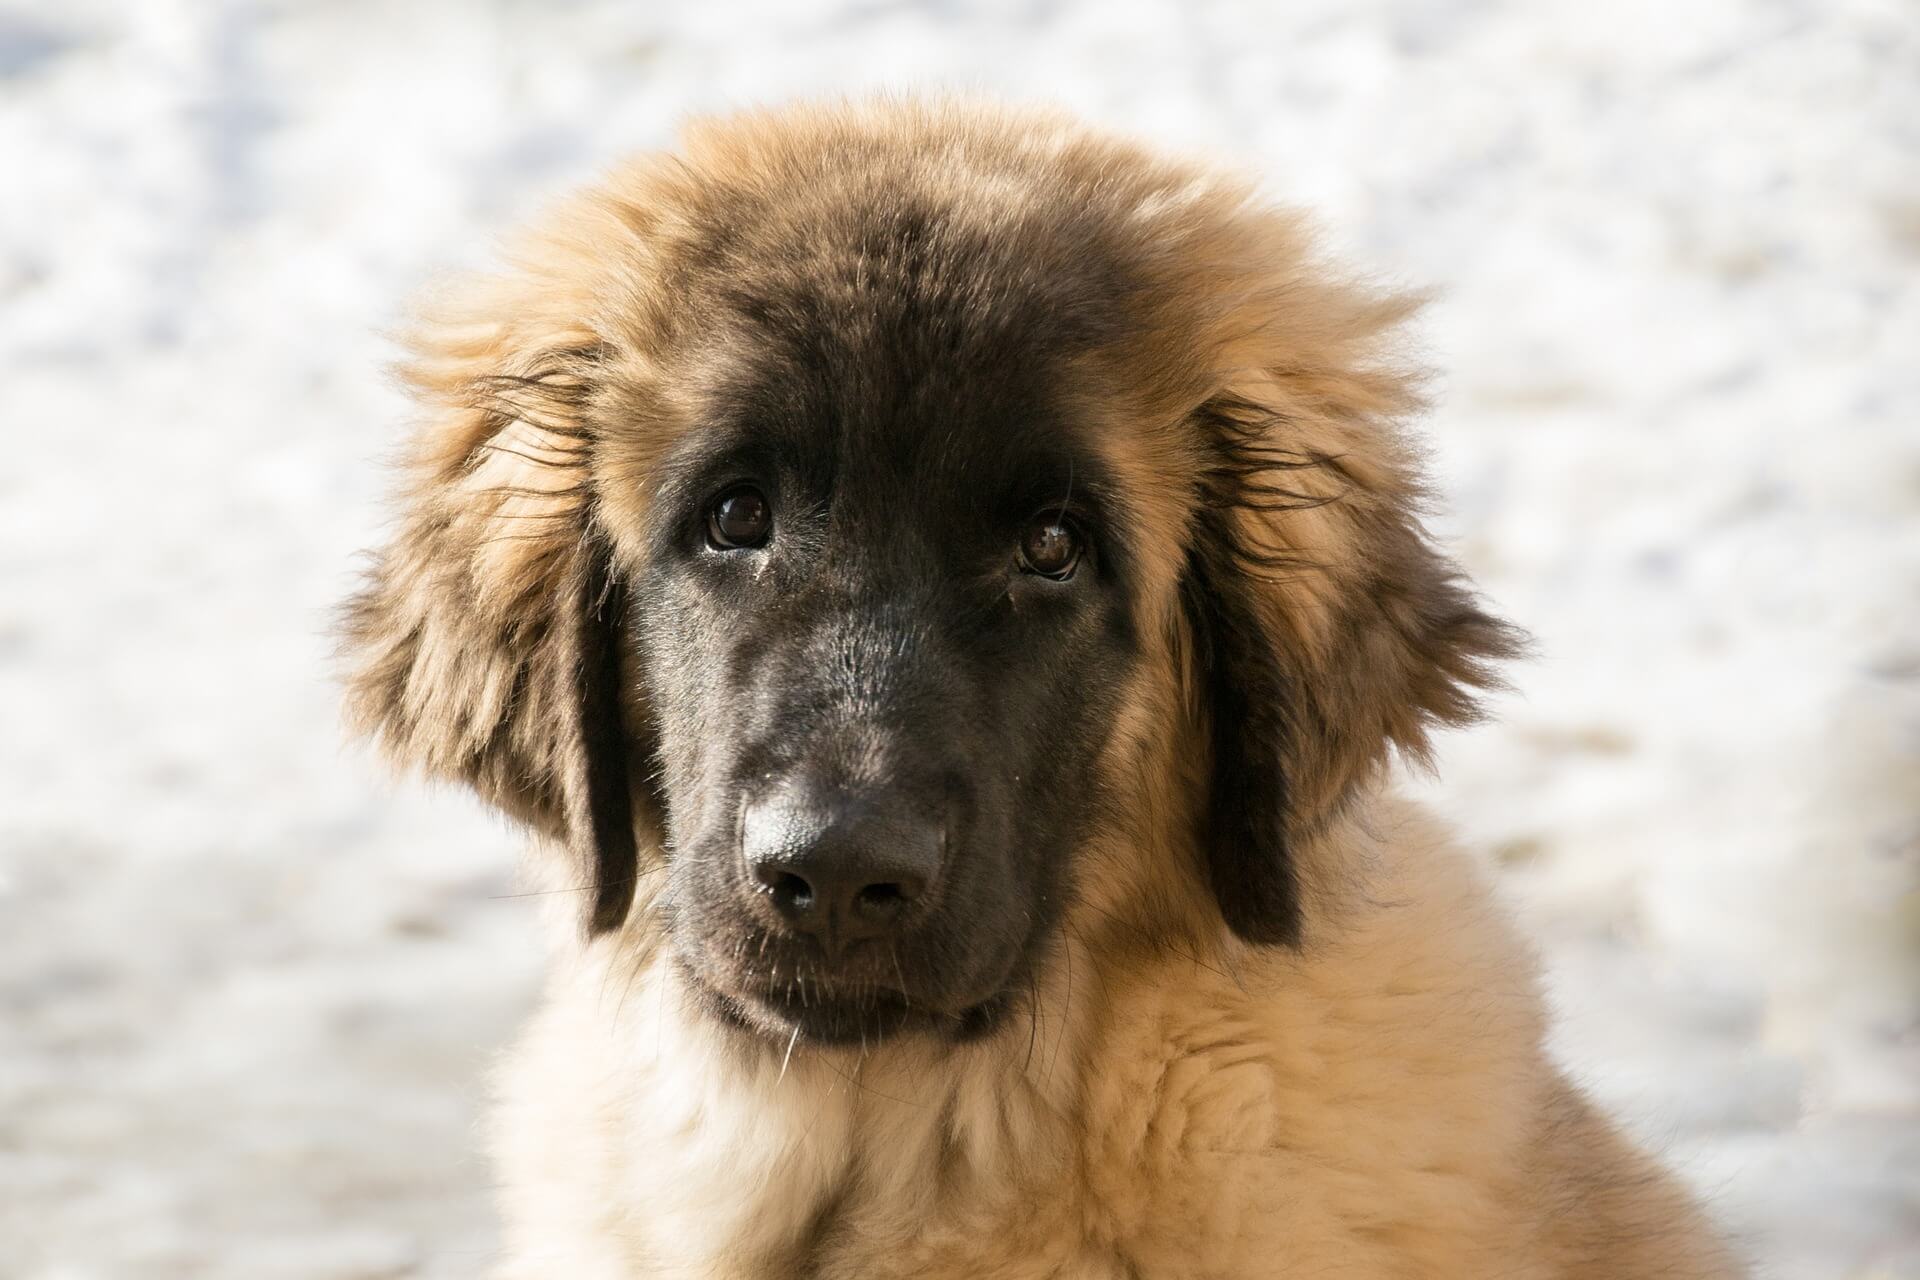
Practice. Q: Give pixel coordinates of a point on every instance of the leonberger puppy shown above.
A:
(947, 586)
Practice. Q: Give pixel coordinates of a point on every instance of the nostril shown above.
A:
(881, 897)
(883, 901)
(792, 894)
(838, 868)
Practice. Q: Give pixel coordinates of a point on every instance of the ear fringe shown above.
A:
(1255, 477)
(484, 643)
(1309, 537)
(600, 802)
(1246, 703)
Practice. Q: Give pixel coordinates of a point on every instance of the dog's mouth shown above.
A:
(823, 1015)
(829, 1012)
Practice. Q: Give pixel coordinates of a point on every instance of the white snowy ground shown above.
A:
(248, 988)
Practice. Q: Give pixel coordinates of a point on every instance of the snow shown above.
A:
(249, 987)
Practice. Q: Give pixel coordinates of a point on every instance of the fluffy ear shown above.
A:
(485, 644)
(1245, 700)
(1328, 628)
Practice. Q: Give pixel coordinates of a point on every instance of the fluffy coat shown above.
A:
(1281, 1029)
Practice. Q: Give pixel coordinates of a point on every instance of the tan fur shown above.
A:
(1179, 1103)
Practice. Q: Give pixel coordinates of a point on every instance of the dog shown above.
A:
(945, 587)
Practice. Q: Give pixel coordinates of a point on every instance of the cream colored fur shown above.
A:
(1173, 1103)
(1377, 1104)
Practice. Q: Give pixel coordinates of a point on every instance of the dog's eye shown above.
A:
(740, 518)
(1050, 548)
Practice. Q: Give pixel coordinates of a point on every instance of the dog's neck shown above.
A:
(735, 1154)
(731, 1147)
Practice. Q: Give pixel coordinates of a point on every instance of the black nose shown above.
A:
(838, 868)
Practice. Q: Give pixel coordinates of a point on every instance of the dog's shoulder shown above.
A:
(1366, 1094)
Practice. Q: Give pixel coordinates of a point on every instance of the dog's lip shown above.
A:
(825, 1007)
(841, 1016)
(796, 1001)
(803, 976)
(819, 1006)
(825, 1016)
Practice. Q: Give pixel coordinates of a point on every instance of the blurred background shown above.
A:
(250, 988)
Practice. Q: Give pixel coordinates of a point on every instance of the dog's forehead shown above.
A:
(895, 346)
(901, 347)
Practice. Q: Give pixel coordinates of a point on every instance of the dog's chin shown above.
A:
(820, 1014)
(825, 1018)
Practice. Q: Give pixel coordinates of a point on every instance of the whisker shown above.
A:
(788, 1056)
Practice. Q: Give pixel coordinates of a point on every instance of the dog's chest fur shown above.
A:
(1174, 1120)
(644, 1141)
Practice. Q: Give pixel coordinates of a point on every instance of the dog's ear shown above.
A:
(485, 643)
(1244, 696)
(1328, 629)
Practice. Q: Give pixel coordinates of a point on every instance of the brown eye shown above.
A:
(1050, 548)
(740, 519)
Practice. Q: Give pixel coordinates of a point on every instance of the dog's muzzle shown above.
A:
(840, 867)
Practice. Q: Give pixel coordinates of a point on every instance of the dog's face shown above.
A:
(881, 620)
(800, 524)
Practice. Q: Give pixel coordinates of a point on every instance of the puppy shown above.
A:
(945, 586)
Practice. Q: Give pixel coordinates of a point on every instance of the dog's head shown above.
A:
(850, 521)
